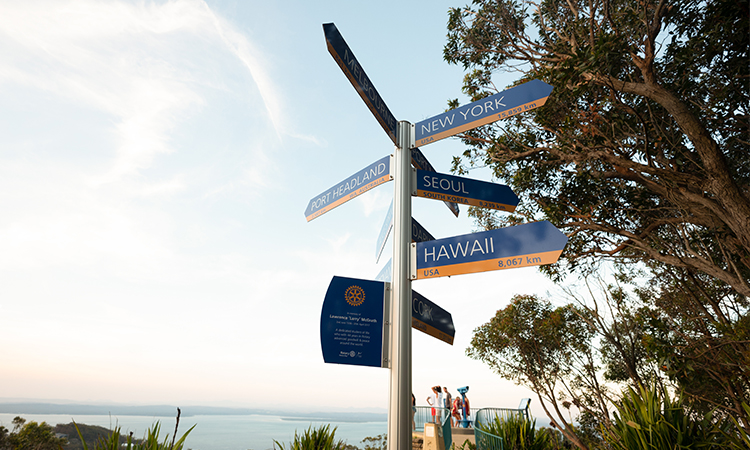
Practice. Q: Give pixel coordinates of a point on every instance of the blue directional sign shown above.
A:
(524, 97)
(440, 186)
(351, 322)
(371, 176)
(419, 161)
(530, 244)
(418, 233)
(386, 273)
(431, 319)
(343, 55)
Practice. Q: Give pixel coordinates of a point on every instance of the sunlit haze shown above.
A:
(155, 162)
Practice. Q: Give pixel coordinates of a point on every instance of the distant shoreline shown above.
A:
(20, 408)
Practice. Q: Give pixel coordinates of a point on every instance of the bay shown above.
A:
(216, 432)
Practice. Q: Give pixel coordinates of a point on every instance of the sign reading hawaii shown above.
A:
(502, 105)
(371, 176)
(351, 322)
(529, 244)
(343, 55)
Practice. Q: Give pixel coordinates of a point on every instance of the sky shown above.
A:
(156, 159)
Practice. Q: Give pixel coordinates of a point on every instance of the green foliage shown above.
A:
(467, 445)
(518, 433)
(30, 436)
(88, 433)
(641, 157)
(649, 419)
(151, 440)
(379, 442)
(321, 438)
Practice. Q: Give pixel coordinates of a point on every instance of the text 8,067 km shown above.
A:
(519, 261)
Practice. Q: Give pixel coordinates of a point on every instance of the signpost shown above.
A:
(351, 322)
(529, 244)
(371, 176)
(343, 55)
(349, 330)
(440, 186)
(502, 105)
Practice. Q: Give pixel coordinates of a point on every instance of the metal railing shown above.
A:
(486, 416)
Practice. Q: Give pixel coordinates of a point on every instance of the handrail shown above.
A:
(423, 415)
(484, 439)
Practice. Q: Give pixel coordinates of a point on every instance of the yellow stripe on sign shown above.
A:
(533, 259)
(431, 331)
(465, 200)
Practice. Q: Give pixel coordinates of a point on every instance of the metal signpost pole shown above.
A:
(399, 406)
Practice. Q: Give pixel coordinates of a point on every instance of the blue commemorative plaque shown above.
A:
(351, 322)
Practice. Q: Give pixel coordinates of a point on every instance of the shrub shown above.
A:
(518, 433)
(322, 438)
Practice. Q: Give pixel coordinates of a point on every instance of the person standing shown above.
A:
(413, 411)
(435, 401)
(447, 399)
(456, 410)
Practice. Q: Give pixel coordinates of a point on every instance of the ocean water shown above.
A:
(216, 432)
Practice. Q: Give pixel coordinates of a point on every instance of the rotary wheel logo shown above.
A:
(354, 295)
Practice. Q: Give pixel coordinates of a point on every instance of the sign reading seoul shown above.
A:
(502, 105)
(371, 176)
(530, 244)
(484, 194)
(343, 55)
(420, 161)
(351, 322)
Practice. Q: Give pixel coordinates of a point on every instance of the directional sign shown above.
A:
(386, 273)
(524, 97)
(419, 161)
(431, 319)
(371, 176)
(530, 244)
(385, 231)
(418, 233)
(445, 187)
(343, 55)
(351, 322)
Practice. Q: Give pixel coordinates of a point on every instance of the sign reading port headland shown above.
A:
(351, 322)
(343, 55)
(371, 176)
(502, 105)
(440, 186)
(530, 244)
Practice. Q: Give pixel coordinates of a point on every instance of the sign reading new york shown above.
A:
(510, 102)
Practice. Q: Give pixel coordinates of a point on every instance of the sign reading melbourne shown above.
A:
(510, 102)
(351, 322)
(529, 244)
(440, 186)
(343, 55)
(371, 176)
